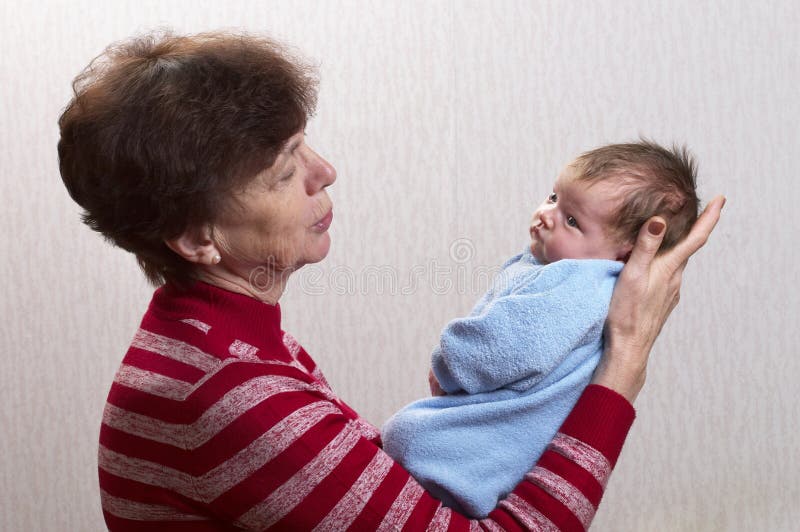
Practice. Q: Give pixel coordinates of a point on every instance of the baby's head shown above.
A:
(600, 201)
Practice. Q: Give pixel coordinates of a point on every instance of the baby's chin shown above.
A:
(537, 254)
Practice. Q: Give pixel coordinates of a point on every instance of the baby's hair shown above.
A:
(654, 181)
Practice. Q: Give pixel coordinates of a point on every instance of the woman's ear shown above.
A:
(195, 245)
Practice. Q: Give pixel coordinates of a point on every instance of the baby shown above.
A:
(514, 368)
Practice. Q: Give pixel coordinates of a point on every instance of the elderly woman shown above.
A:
(189, 152)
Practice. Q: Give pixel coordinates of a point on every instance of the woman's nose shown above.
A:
(327, 170)
(323, 172)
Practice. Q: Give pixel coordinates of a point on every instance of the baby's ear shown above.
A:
(624, 252)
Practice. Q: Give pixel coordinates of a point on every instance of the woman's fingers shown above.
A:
(698, 236)
(647, 243)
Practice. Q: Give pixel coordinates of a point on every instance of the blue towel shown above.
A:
(513, 370)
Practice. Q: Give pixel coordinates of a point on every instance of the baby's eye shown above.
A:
(552, 198)
(572, 222)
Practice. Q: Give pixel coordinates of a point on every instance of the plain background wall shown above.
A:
(447, 122)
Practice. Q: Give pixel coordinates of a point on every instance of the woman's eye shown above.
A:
(281, 181)
(552, 198)
(572, 222)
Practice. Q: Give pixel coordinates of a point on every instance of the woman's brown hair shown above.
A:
(162, 128)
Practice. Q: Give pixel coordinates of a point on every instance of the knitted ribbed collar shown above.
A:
(250, 318)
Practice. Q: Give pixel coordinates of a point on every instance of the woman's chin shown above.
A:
(320, 249)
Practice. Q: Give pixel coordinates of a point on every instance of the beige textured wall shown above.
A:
(447, 121)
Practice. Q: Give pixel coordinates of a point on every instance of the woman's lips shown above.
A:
(325, 223)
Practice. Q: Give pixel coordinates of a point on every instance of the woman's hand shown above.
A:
(647, 291)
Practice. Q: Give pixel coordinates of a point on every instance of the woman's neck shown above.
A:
(262, 284)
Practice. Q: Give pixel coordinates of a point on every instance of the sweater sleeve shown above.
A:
(196, 441)
(297, 460)
(267, 446)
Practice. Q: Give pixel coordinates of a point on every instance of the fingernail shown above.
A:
(655, 228)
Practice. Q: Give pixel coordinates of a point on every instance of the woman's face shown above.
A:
(280, 220)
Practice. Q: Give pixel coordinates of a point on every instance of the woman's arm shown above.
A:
(311, 466)
(647, 291)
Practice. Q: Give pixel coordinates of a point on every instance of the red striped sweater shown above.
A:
(219, 420)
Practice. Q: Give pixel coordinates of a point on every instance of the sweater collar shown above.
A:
(249, 317)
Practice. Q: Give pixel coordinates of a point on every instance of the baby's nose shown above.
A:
(546, 218)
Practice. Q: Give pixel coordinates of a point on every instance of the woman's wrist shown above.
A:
(621, 370)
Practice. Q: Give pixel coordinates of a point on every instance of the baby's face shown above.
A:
(573, 222)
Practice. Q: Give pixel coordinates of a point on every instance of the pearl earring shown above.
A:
(216, 259)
